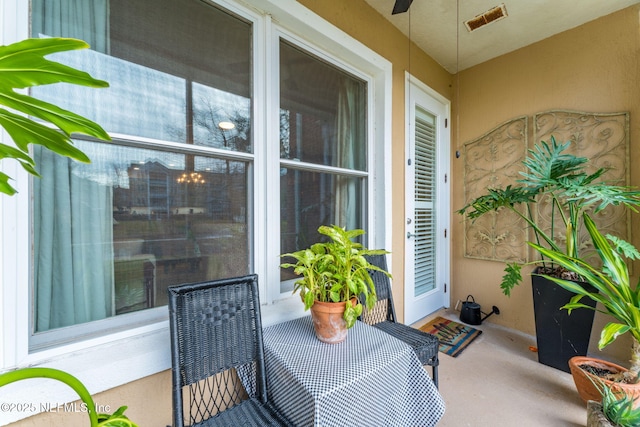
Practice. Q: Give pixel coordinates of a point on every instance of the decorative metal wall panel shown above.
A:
(604, 140)
(494, 161)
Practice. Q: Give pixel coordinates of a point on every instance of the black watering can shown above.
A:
(471, 312)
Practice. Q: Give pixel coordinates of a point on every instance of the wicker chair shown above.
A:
(217, 355)
(383, 317)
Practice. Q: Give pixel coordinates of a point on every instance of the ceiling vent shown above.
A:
(492, 15)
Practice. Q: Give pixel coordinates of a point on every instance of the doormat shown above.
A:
(454, 337)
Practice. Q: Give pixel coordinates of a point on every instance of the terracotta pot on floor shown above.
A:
(328, 321)
(585, 381)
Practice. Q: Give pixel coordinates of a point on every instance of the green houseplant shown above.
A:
(335, 271)
(613, 291)
(559, 179)
(23, 65)
(616, 409)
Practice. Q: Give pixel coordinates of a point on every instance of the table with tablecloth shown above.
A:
(370, 379)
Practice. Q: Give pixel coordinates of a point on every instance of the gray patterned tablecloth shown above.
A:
(371, 379)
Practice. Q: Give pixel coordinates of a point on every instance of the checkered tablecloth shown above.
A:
(371, 379)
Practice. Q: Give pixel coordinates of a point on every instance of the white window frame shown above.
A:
(115, 359)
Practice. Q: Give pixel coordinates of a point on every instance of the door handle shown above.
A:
(410, 235)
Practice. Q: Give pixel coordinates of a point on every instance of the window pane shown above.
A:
(221, 119)
(110, 236)
(310, 199)
(324, 112)
(322, 122)
(173, 66)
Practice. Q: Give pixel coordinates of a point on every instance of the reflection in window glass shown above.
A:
(308, 200)
(167, 79)
(110, 236)
(324, 119)
(221, 119)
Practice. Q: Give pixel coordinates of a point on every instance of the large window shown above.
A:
(168, 200)
(172, 198)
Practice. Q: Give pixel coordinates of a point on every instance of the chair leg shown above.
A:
(435, 375)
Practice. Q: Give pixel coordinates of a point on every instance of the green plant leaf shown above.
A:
(24, 131)
(5, 187)
(23, 65)
(117, 419)
(350, 314)
(58, 375)
(308, 300)
(67, 121)
(512, 277)
(624, 247)
(610, 332)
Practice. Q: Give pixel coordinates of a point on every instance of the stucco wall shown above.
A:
(592, 68)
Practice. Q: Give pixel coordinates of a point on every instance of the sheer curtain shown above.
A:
(73, 228)
(86, 20)
(348, 130)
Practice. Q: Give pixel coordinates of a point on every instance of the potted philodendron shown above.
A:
(559, 179)
(614, 292)
(335, 277)
(23, 65)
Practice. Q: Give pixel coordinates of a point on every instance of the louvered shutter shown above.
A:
(424, 217)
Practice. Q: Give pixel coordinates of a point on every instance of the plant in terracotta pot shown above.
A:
(615, 293)
(335, 279)
(560, 181)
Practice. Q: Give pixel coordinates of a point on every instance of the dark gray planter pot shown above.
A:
(560, 336)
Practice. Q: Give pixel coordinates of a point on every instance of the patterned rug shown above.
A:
(454, 337)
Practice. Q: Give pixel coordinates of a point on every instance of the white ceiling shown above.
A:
(437, 26)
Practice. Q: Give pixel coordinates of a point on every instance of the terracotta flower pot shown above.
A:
(585, 381)
(328, 321)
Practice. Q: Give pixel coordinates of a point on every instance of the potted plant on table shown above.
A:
(559, 179)
(614, 292)
(335, 277)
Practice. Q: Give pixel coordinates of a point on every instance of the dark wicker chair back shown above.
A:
(383, 317)
(383, 310)
(217, 354)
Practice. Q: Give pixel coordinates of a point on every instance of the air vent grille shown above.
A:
(494, 14)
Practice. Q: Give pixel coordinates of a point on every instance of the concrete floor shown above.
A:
(498, 382)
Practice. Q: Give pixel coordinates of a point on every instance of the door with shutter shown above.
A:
(427, 203)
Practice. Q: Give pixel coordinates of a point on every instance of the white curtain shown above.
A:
(86, 20)
(73, 228)
(347, 128)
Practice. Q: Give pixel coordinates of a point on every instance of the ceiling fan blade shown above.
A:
(401, 6)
